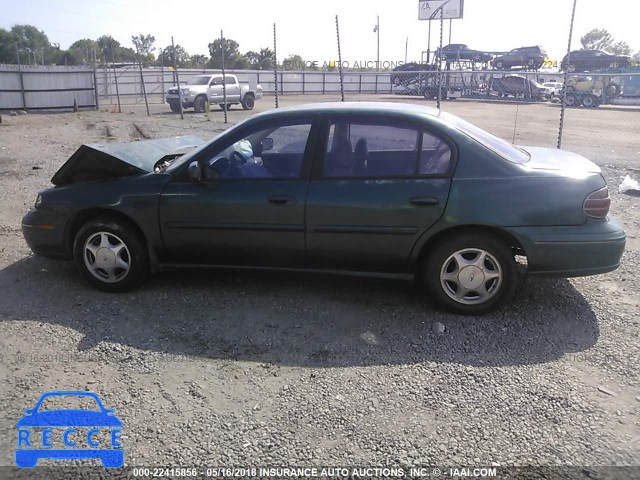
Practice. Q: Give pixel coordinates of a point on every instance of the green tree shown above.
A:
(179, 57)
(81, 52)
(293, 62)
(262, 60)
(108, 48)
(596, 39)
(232, 57)
(199, 61)
(144, 45)
(7, 49)
(621, 48)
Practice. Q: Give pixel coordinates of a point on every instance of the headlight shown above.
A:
(38, 201)
(185, 91)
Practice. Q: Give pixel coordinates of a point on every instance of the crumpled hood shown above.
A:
(103, 161)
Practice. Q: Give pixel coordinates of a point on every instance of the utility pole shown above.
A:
(406, 49)
(376, 30)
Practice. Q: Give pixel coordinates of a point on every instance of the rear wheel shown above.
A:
(590, 101)
(111, 255)
(248, 102)
(570, 100)
(470, 274)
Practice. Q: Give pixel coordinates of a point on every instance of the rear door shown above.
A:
(233, 89)
(377, 185)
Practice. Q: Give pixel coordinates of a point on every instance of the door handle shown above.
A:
(423, 201)
(282, 199)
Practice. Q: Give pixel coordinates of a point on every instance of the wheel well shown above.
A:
(84, 216)
(250, 94)
(506, 237)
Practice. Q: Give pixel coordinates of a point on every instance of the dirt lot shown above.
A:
(243, 368)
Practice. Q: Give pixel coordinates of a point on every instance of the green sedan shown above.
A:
(383, 189)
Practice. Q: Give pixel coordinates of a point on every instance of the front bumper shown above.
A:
(590, 249)
(44, 233)
(187, 102)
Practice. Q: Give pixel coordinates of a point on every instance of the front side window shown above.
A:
(274, 152)
(370, 149)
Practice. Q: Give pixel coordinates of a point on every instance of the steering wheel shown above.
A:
(237, 158)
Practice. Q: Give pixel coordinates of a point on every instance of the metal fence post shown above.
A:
(24, 101)
(566, 78)
(275, 65)
(340, 61)
(95, 80)
(177, 76)
(224, 78)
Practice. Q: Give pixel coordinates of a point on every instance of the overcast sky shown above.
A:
(307, 28)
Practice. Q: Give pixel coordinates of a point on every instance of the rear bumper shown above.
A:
(44, 233)
(590, 249)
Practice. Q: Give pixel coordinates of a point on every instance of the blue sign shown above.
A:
(33, 446)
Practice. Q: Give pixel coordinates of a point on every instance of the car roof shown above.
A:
(418, 112)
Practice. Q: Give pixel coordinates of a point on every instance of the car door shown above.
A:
(377, 185)
(215, 90)
(233, 89)
(243, 211)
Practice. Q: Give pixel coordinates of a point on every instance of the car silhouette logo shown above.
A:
(97, 422)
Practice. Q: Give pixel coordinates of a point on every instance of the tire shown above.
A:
(590, 101)
(488, 284)
(125, 263)
(500, 65)
(571, 100)
(175, 107)
(248, 102)
(198, 104)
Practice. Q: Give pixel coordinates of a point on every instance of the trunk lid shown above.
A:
(561, 160)
(104, 161)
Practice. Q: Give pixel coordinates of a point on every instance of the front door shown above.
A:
(249, 207)
(380, 186)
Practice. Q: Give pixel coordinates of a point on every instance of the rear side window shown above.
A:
(371, 149)
(435, 156)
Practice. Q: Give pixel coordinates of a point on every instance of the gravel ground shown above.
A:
(245, 368)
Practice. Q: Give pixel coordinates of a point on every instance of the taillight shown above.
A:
(597, 204)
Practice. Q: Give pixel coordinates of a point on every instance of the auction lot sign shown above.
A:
(430, 9)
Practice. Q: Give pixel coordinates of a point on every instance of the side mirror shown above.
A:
(267, 144)
(195, 172)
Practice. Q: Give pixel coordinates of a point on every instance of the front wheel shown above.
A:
(199, 104)
(175, 107)
(470, 274)
(111, 255)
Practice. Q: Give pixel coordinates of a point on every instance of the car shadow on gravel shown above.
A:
(296, 319)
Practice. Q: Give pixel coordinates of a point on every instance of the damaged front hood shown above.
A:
(104, 161)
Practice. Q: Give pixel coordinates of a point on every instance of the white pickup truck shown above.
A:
(202, 87)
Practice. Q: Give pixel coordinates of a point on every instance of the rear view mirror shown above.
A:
(195, 172)
(267, 144)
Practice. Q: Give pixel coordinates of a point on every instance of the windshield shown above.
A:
(496, 144)
(199, 81)
(186, 158)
